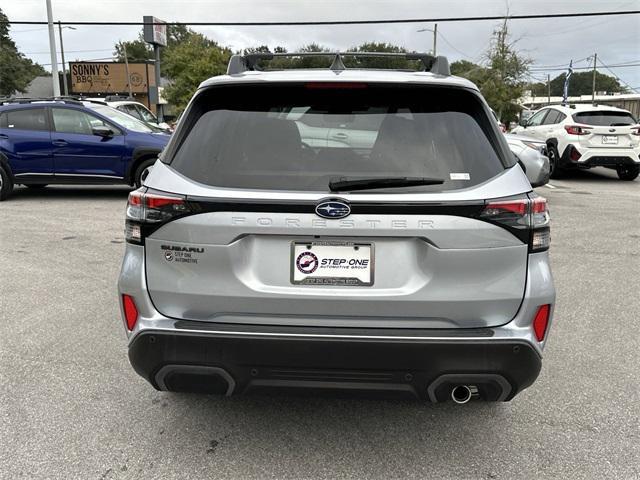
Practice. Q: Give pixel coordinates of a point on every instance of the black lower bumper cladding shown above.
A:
(234, 363)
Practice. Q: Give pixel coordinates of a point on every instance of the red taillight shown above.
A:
(159, 201)
(130, 311)
(527, 218)
(577, 130)
(635, 131)
(541, 322)
(519, 207)
(144, 208)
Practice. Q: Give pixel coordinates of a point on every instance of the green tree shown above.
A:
(136, 51)
(397, 63)
(581, 83)
(190, 62)
(140, 51)
(16, 71)
(504, 83)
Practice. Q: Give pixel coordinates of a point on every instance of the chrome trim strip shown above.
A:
(51, 175)
(35, 174)
(318, 335)
(86, 175)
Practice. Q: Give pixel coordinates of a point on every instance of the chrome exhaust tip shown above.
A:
(462, 394)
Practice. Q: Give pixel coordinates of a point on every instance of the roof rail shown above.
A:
(242, 63)
(70, 99)
(61, 99)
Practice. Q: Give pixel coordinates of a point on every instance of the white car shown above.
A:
(135, 109)
(587, 136)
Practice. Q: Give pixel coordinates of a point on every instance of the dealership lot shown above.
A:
(72, 407)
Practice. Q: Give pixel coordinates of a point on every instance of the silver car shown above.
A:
(532, 155)
(412, 264)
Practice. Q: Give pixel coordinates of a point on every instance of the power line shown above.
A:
(71, 51)
(344, 22)
(541, 70)
(452, 46)
(561, 64)
(616, 76)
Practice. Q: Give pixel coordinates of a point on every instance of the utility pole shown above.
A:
(64, 69)
(548, 89)
(593, 86)
(52, 50)
(159, 112)
(126, 67)
(435, 38)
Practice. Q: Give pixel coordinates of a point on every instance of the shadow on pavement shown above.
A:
(90, 192)
(592, 175)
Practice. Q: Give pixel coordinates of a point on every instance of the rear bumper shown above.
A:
(217, 358)
(600, 157)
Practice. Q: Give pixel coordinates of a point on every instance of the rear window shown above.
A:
(301, 138)
(605, 119)
(27, 119)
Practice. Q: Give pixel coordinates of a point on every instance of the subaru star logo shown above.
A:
(333, 209)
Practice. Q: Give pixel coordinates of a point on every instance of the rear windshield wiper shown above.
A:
(381, 182)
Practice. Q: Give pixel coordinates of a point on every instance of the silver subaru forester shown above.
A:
(338, 229)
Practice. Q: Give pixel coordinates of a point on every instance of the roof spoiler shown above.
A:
(242, 63)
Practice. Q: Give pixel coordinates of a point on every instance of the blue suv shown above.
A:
(73, 142)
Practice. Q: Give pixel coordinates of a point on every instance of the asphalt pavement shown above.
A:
(72, 407)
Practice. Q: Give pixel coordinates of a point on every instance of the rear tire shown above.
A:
(628, 172)
(555, 171)
(37, 186)
(6, 185)
(142, 171)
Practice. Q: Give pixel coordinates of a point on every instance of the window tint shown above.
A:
(66, 120)
(27, 119)
(251, 138)
(561, 117)
(551, 118)
(536, 119)
(120, 118)
(604, 118)
(144, 114)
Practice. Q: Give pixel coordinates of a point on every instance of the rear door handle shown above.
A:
(341, 136)
(4, 137)
(60, 143)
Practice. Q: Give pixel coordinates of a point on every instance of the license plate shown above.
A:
(610, 139)
(332, 263)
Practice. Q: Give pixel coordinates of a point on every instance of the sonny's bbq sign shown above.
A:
(109, 77)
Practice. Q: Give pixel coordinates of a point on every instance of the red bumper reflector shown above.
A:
(575, 155)
(541, 321)
(130, 311)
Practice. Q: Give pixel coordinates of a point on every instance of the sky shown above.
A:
(549, 43)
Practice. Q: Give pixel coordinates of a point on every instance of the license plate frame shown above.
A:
(320, 249)
(609, 139)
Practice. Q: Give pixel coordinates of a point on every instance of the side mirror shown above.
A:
(523, 122)
(537, 171)
(102, 131)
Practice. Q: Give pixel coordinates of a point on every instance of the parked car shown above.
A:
(532, 154)
(137, 110)
(70, 142)
(319, 130)
(413, 263)
(587, 136)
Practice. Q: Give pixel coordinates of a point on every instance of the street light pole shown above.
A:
(435, 38)
(52, 50)
(593, 86)
(64, 69)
